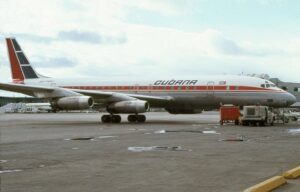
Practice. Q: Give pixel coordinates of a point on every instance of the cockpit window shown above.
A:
(263, 85)
(284, 88)
(267, 85)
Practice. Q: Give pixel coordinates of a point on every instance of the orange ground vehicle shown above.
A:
(229, 114)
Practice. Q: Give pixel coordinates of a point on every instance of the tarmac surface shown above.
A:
(73, 152)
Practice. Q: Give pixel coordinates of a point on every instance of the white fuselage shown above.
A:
(189, 93)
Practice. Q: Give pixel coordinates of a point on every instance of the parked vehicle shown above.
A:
(292, 115)
(257, 115)
(229, 113)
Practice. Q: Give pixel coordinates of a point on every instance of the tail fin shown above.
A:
(20, 66)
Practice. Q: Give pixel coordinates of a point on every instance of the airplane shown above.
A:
(175, 95)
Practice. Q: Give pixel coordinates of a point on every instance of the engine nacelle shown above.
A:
(183, 110)
(136, 106)
(73, 103)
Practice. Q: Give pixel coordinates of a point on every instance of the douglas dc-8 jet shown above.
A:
(177, 96)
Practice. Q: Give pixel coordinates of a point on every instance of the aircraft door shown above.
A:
(150, 88)
(210, 88)
(136, 88)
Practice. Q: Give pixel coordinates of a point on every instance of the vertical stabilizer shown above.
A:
(20, 66)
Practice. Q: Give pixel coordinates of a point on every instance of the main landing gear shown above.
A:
(136, 118)
(111, 119)
(117, 118)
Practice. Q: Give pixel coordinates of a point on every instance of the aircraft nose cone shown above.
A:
(291, 99)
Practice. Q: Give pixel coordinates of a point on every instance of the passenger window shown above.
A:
(296, 89)
(222, 83)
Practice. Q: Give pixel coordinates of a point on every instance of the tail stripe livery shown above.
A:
(22, 58)
(16, 45)
(20, 65)
(17, 74)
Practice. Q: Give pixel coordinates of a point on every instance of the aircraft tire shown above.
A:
(116, 118)
(132, 118)
(141, 118)
(106, 119)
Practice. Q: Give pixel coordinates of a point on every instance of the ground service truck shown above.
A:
(257, 115)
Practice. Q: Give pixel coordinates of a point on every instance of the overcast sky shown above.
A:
(150, 38)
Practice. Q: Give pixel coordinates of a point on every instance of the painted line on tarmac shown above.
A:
(268, 185)
(275, 182)
(292, 174)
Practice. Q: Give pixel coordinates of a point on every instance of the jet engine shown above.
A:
(73, 103)
(136, 106)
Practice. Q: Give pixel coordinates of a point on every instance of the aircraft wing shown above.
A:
(115, 97)
(151, 98)
(25, 89)
(98, 96)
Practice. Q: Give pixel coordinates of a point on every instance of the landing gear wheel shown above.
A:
(106, 119)
(111, 119)
(132, 118)
(141, 118)
(116, 118)
(137, 118)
